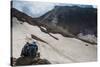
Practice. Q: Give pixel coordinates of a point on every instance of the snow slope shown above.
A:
(64, 50)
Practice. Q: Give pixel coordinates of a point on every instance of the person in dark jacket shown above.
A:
(29, 50)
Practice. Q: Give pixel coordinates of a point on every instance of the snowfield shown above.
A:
(64, 50)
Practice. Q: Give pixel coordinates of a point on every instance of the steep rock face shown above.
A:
(77, 20)
(73, 19)
(70, 21)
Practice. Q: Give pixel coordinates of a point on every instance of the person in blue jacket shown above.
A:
(29, 50)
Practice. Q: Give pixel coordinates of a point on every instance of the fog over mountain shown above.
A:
(36, 9)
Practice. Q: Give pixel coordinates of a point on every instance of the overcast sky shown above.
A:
(35, 9)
